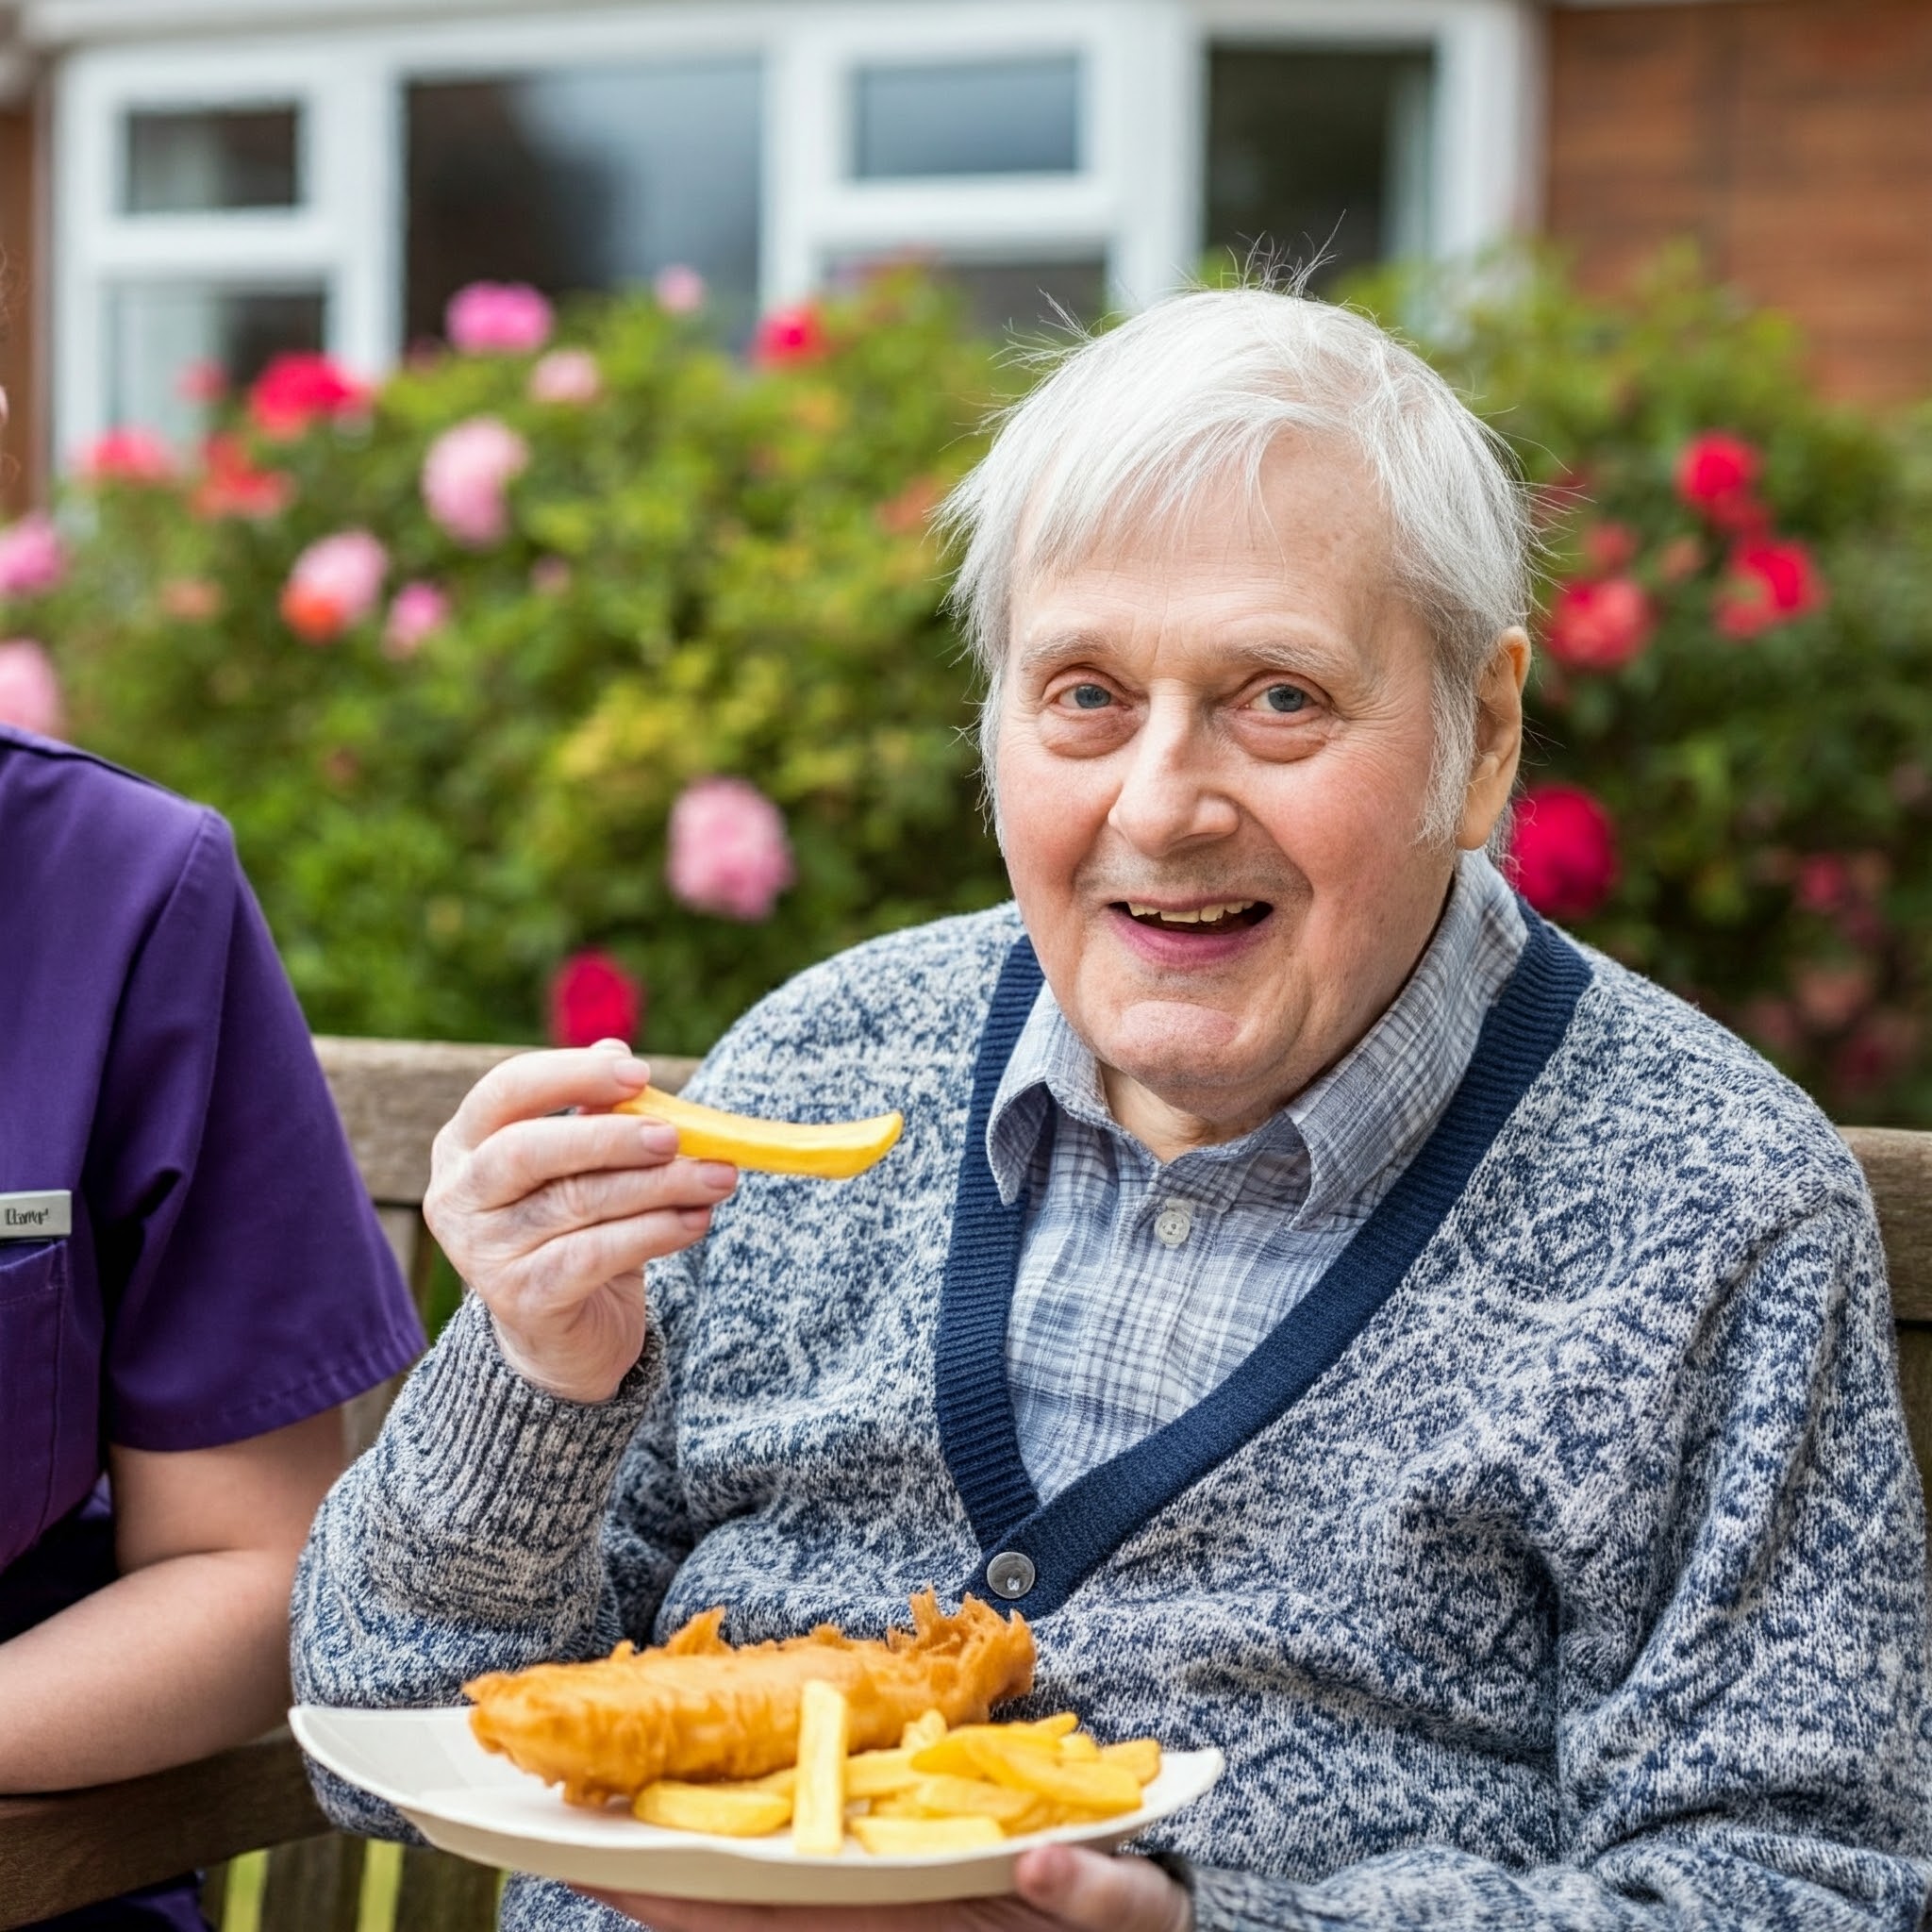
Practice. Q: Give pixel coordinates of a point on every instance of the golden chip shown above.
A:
(927, 1729)
(942, 1796)
(726, 1810)
(1139, 1756)
(875, 1774)
(818, 1800)
(913, 1837)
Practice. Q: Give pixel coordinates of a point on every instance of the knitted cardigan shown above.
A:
(1557, 1563)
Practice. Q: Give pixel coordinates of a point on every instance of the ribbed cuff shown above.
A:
(494, 1460)
(1241, 1901)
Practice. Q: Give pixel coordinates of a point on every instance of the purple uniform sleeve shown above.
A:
(247, 1280)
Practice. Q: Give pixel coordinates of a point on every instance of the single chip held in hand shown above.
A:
(834, 1152)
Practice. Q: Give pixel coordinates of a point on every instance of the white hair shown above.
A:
(1134, 427)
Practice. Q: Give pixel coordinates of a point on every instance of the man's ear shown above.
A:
(1498, 739)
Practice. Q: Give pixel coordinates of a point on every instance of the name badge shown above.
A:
(43, 1217)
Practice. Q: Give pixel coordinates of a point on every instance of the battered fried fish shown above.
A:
(696, 1708)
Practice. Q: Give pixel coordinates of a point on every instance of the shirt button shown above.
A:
(1172, 1225)
(1011, 1574)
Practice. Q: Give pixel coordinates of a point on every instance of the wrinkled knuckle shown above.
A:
(575, 1200)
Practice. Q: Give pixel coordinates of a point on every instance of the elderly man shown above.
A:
(1359, 1328)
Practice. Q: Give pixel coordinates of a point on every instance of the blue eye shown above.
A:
(1284, 698)
(1092, 697)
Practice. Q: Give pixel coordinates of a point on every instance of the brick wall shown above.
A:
(1791, 139)
(19, 296)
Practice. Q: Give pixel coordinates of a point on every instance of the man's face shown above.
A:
(1212, 763)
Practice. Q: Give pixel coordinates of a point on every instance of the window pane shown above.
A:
(1314, 152)
(986, 117)
(1000, 298)
(202, 159)
(585, 179)
(160, 334)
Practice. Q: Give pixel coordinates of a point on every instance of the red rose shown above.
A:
(1717, 475)
(1767, 584)
(790, 335)
(1563, 851)
(1598, 625)
(594, 998)
(298, 389)
(231, 486)
(1823, 882)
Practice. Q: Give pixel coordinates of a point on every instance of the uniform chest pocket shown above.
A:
(33, 1291)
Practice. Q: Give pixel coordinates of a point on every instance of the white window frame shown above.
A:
(1135, 199)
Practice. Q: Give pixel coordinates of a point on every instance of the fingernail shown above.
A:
(659, 1138)
(718, 1173)
(631, 1070)
(694, 1218)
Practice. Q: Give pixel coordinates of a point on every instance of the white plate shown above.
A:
(427, 1764)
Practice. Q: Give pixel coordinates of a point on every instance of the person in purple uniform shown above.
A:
(193, 1282)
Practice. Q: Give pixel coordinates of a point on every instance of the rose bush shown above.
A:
(1730, 765)
(632, 694)
(450, 650)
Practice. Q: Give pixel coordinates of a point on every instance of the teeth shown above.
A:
(1208, 914)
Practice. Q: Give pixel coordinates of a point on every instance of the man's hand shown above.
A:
(550, 1216)
(1059, 1885)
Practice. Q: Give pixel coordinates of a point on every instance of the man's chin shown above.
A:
(1177, 1048)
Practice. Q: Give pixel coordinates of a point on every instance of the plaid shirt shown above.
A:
(1141, 1286)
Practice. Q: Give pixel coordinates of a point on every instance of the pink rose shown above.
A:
(127, 456)
(31, 559)
(203, 382)
(1599, 625)
(566, 375)
(728, 852)
(679, 289)
(465, 474)
(594, 998)
(334, 584)
(416, 612)
(1767, 584)
(497, 317)
(1563, 851)
(29, 691)
(1609, 548)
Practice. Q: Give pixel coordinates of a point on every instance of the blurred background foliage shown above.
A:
(720, 567)
(709, 569)
(1752, 707)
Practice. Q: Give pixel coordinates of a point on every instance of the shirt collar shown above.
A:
(1370, 1111)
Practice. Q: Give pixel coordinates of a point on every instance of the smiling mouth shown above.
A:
(1232, 915)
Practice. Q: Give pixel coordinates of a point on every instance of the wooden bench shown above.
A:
(59, 1852)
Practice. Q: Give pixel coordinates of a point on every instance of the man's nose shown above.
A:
(1171, 793)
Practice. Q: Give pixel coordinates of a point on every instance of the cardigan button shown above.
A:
(1011, 1574)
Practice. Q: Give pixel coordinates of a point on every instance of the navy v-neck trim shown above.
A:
(1066, 1539)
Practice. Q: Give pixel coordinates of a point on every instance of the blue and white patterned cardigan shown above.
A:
(1557, 1563)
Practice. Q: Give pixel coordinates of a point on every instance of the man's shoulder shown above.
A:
(1647, 1072)
(892, 1009)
